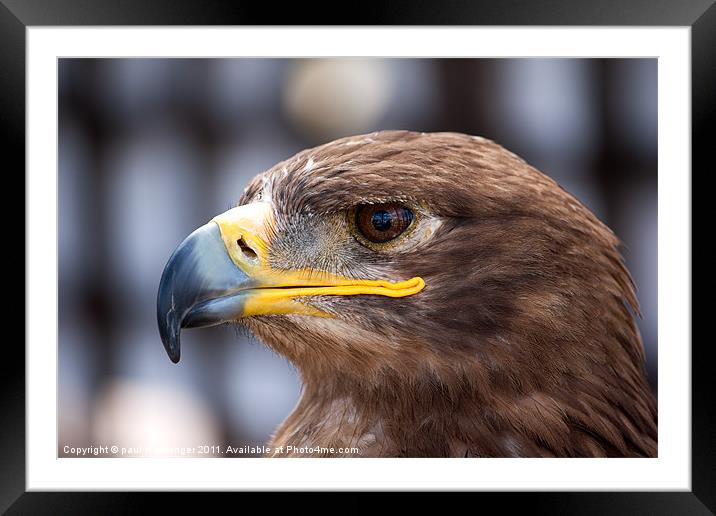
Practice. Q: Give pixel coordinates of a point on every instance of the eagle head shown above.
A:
(438, 295)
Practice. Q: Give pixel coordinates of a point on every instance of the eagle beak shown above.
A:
(221, 273)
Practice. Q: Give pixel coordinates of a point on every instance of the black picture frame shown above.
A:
(700, 15)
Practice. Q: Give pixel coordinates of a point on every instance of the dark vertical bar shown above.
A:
(703, 55)
(12, 124)
(465, 84)
(93, 288)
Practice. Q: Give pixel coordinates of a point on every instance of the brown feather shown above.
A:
(523, 342)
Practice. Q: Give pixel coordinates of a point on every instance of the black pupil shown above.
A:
(382, 220)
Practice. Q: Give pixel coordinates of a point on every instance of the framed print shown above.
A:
(450, 255)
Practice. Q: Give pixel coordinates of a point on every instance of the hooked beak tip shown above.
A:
(169, 331)
(174, 355)
(198, 271)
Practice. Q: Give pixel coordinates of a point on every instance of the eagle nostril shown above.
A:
(246, 249)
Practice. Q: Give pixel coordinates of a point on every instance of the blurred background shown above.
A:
(149, 149)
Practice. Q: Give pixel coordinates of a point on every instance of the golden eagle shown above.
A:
(439, 296)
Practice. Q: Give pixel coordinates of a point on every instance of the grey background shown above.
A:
(151, 149)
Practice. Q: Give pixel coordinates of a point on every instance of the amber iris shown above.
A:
(381, 223)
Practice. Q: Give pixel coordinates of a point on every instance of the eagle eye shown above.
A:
(381, 223)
